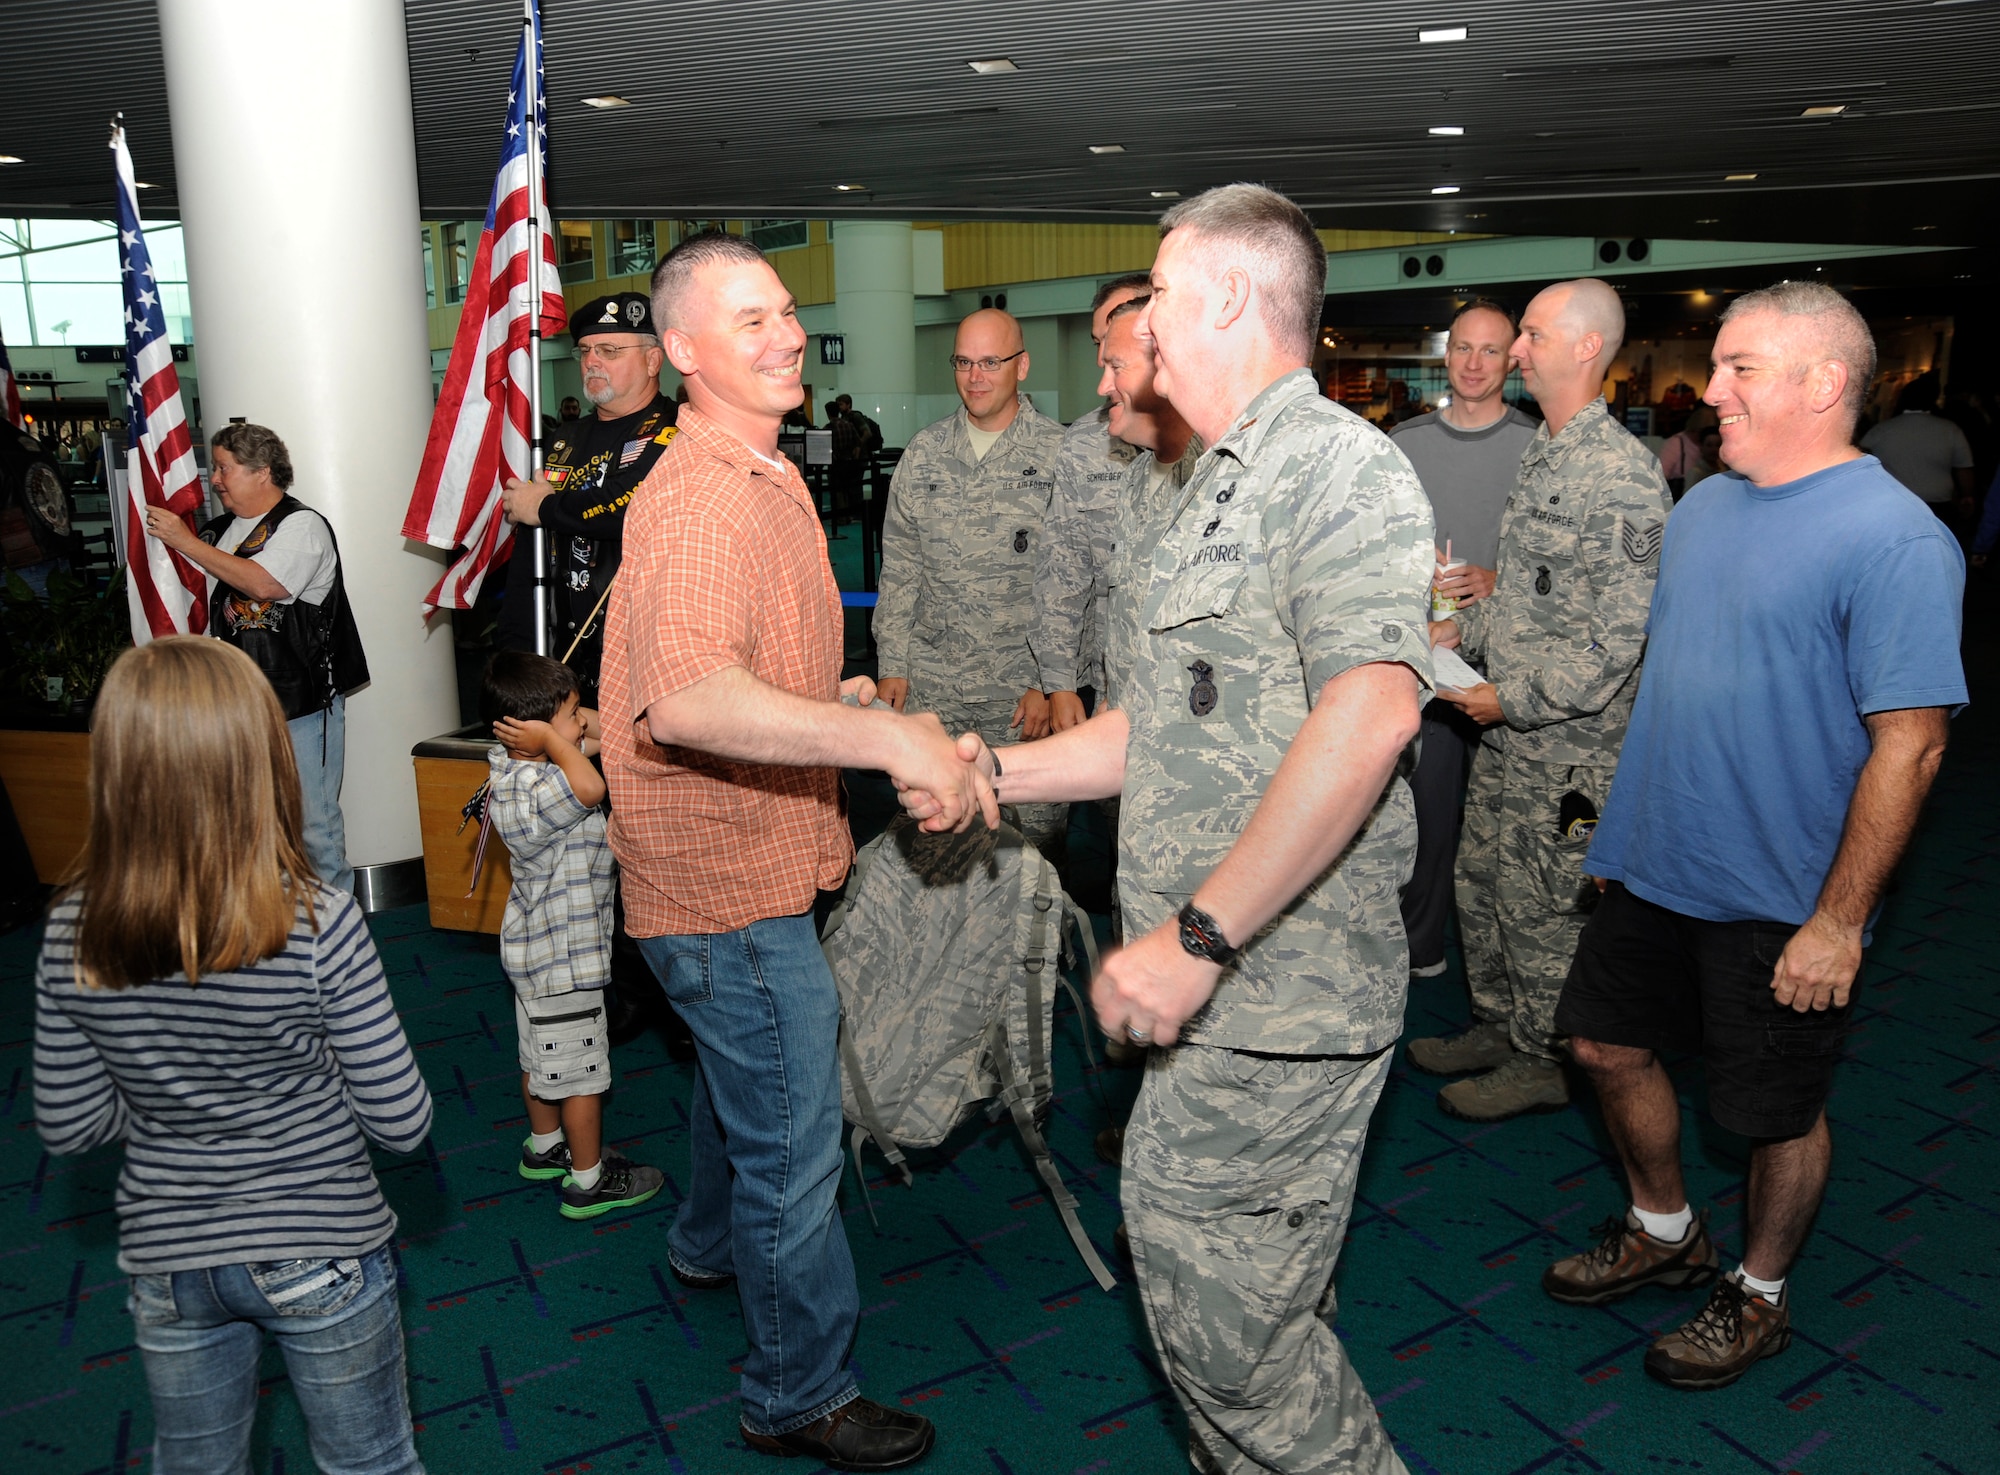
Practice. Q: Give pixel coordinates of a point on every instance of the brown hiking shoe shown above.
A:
(1482, 1047)
(1627, 1258)
(1735, 1330)
(1525, 1083)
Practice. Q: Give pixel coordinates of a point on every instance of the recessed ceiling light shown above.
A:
(992, 66)
(848, 189)
(1477, 215)
(1736, 178)
(1830, 110)
(1107, 148)
(1166, 194)
(1444, 189)
(1923, 227)
(1709, 220)
(607, 100)
(1441, 33)
(1446, 130)
(9, 159)
(141, 184)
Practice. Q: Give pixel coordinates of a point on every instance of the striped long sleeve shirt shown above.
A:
(242, 1102)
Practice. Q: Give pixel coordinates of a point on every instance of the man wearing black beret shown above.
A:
(593, 465)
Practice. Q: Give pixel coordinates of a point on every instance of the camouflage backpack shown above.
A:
(947, 951)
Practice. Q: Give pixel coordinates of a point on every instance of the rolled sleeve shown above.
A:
(1351, 563)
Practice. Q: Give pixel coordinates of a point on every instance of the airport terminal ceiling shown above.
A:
(1860, 120)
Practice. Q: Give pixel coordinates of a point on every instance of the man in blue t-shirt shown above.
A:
(1801, 667)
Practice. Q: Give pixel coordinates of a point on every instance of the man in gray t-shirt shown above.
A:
(1467, 456)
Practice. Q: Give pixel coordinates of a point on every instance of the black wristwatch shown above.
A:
(1201, 937)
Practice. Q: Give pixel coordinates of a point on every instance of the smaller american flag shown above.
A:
(10, 392)
(168, 594)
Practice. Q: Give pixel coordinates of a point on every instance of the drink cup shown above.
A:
(1443, 605)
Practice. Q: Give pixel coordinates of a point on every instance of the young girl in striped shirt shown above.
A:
(203, 999)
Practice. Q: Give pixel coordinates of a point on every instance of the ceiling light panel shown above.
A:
(607, 100)
(1107, 148)
(1441, 33)
(993, 66)
(1447, 130)
(1829, 110)
(1444, 189)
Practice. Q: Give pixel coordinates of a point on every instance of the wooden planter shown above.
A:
(450, 770)
(47, 775)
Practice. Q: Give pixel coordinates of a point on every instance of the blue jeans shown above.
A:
(319, 743)
(765, 1017)
(201, 1333)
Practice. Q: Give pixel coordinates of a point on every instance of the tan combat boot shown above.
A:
(1626, 1258)
(1735, 1330)
(1525, 1083)
(1482, 1047)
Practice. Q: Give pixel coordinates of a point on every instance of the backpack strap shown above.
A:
(1075, 917)
(1019, 1101)
(871, 1119)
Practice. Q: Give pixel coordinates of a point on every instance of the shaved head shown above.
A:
(1587, 306)
(990, 331)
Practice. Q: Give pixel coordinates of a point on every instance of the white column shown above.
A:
(295, 158)
(874, 303)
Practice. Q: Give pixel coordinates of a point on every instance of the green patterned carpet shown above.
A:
(541, 1345)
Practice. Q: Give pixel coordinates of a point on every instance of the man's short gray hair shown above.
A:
(675, 273)
(1840, 330)
(1278, 240)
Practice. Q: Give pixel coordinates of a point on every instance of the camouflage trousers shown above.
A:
(1522, 894)
(1045, 825)
(1239, 1174)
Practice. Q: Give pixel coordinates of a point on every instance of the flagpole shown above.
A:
(538, 541)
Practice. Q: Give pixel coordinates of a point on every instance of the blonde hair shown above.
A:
(195, 861)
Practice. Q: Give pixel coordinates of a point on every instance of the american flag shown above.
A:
(168, 595)
(10, 392)
(480, 432)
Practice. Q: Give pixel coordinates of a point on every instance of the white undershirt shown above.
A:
(982, 440)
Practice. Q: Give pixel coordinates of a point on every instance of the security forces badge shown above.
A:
(621, 312)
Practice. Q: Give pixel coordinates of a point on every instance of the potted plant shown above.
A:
(54, 650)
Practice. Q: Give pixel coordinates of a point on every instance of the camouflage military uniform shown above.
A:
(1562, 636)
(960, 543)
(1093, 468)
(1300, 549)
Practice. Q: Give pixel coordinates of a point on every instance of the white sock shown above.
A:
(542, 1141)
(1771, 1290)
(1667, 1228)
(586, 1178)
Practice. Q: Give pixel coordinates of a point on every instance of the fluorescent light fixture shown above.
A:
(1166, 194)
(1441, 33)
(1829, 110)
(1709, 220)
(992, 66)
(848, 189)
(141, 184)
(1107, 148)
(1444, 189)
(9, 159)
(1923, 227)
(607, 100)
(1446, 130)
(1737, 178)
(1476, 215)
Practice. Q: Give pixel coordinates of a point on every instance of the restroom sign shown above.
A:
(832, 348)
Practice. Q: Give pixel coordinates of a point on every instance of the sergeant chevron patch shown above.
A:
(1641, 544)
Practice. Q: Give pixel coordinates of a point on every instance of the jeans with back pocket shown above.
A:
(201, 1333)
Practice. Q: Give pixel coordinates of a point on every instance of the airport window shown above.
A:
(576, 250)
(777, 235)
(631, 247)
(430, 270)
(457, 258)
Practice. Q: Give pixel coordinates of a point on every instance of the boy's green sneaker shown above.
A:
(621, 1186)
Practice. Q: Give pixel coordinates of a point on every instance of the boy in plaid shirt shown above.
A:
(555, 937)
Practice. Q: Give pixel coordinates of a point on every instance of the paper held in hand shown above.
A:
(1451, 671)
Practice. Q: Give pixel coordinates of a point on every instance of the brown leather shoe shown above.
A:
(1735, 1331)
(1627, 1258)
(860, 1435)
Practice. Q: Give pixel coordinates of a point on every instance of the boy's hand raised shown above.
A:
(531, 738)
